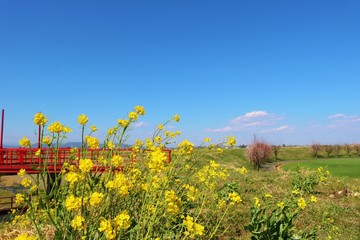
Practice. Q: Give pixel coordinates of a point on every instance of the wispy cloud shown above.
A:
(251, 121)
(140, 124)
(278, 129)
(344, 121)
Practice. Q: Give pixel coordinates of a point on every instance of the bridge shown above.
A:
(14, 159)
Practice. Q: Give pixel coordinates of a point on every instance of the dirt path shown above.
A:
(277, 166)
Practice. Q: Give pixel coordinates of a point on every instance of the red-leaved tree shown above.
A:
(257, 153)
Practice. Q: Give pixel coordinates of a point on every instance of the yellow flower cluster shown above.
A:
(139, 110)
(193, 229)
(231, 141)
(120, 183)
(86, 165)
(83, 119)
(78, 223)
(72, 203)
(210, 174)
(301, 203)
(25, 236)
(47, 140)
(26, 182)
(157, 160)
(185, 147)
(123, 123)
(110, 144)
(173, 203)
(256, 202)
(133, 116)
(92, 142)
(96, 199)
(21, 172)
(176, 118)
(19, 198)
(191, 192)
(120, 222)
(73, 177)
(56, 127)
(40, 119)
(117, 161)
(25, 142)
(234, 198)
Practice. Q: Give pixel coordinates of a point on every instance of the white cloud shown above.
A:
(256, 114)
(251, 121)
(140, 124)
(278, 129)
(338, 115)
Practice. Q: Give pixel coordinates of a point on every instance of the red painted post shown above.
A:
(2, 129)
(39, 136)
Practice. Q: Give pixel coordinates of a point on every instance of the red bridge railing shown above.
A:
(14, 159)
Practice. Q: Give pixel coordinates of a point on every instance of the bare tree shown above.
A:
(337, 149)
(275, 149)
(329, 149)
(315, 148)
(356, 147)
(257, 153)
(347, 149)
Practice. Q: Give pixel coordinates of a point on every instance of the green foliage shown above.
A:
(275, 221)
(306, 181)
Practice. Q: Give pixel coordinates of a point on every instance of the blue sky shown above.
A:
(287, 71)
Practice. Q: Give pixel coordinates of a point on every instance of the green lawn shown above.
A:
(340, 167)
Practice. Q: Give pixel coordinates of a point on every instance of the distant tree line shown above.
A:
(335, 150)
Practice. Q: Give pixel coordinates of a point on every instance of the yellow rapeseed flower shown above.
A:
(19, 198)
(92, 142)
(268, 195)
(207, 139)
(47, 140)
(185, 147)
(93, 128)
(160, 127)
(67, 129)
(123, 123)
(193, 229)
(86, 165)
(301, 203)
(56, 127)
(72, 203)
(173, 203)
(21, 172)
(110, 144)
(176, 118)
(234, 198)
(231, 141)
(313, 199)
(73, 177)
(83, 119)
(26, 182)
(78, 223)
(157, 160)
(281, 205)
(122, 221)
(117, 161)
(133, 116)
(25, 236)
(96, 199)
(243, 170)
(139, 110)
(256, 202)
(105, 226)
(25, 142)
(40, 119)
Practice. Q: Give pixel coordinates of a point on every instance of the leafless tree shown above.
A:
(337, 149)
(329, 149)
(347, 149)
(275, 149)
(356, 147)
(315, 148)
(257, 153)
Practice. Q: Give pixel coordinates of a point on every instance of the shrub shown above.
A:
(315, 148)
(257, 153)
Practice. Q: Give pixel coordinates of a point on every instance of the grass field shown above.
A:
(335, 214)
(339, 167)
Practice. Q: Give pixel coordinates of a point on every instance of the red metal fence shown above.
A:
(14, 159)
